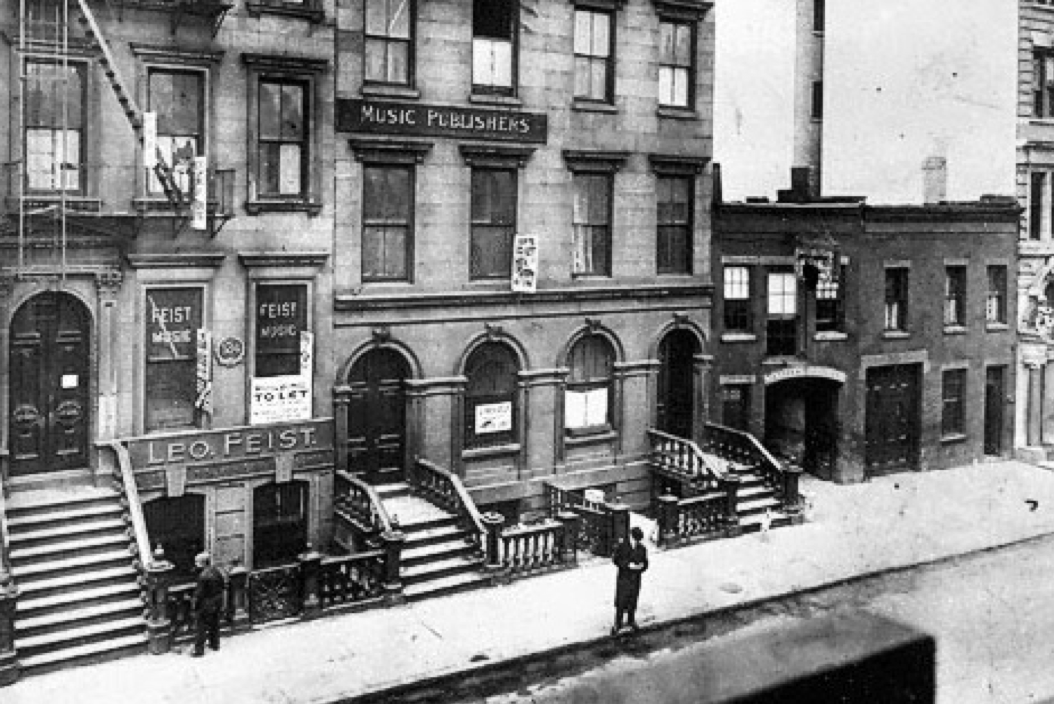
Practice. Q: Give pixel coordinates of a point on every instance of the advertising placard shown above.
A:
(493, 418)
(277, 399)
(525, 263)
(203, 376)
(149, 140)
(199, 201)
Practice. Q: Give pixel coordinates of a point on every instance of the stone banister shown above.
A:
(126, 477)
(683, 458)
(361, 500)
(445, 489)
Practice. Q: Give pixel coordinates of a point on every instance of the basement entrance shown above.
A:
(801, 423)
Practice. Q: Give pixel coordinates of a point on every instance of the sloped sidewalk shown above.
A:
(882, 525)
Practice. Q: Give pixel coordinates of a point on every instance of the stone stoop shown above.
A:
(79, 599)
(437, 557)
(752, 500)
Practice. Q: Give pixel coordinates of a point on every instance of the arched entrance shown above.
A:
(676, 395)
(801, 423)
(50, 409)
(377, 416)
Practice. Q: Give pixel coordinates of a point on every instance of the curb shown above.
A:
(471, 679)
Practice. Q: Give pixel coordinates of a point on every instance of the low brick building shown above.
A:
(858, 340)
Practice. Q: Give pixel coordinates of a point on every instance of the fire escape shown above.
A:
(52, 197)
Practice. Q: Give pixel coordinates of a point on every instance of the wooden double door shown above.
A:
(376, 439)
(50, 405)
(892, 424)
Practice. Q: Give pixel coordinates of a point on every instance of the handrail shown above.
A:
(135, 507)
(751, 440)
(464, 500)
(375, 499)
(697, 452)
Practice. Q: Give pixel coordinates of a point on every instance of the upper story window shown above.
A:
(1042, 84)
(283, 143)
(493, 222)
(178, 98)
(736, 296)
(676, 63)
(955, 296)
(54, 126)
(781, 330)
(995, 303)
(387, 221)
(491, 396)
(896, 299)
(817, 100)
(594, 55)
(389, 41)
(830, 303)
(173, 318)
(1040, 205)
(281, 317)
(674, 201)
(591, 224)
(953, 402)
(590, 385)
(494, 46)
(819, 15)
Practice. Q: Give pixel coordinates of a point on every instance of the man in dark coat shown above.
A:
(208, 604)
(631, 558)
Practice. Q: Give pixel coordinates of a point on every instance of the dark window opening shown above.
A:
(177, 524)
(280, 513)
(490, 396)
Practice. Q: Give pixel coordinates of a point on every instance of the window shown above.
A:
(493, 222)
(279, 523)
(1036, 199)
(817, 100)
(594, 42)
(591, 224)
(493, 45)
(995, 303)
(676, 65)
(387, 222)
(283, 139)
(830, 303)
(173, 318)
(737, 299)
(735, 406)
(781, 333)
(896, 300)
(281, 315)
(490, 396)
(587, 401)
(1042, 84)
(389, 41)
(54, 126)
(819, 12)
(955, 296)
(178, 98)
(953, 395)
(674, 196)
(177, 524)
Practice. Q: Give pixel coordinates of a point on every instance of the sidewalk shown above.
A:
(885, 524)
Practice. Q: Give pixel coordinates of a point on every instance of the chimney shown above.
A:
(934, 179)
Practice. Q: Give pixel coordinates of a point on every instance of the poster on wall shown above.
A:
(199, 200)
(275, 399)
(203, 376)
(493, 417)
(525, 264)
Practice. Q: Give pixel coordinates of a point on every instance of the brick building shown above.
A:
(585, 129)
(857, 340)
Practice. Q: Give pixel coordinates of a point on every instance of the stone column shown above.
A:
(619, 524)
(1047, 405)
(636, 405)
(341, 401)
(108, 285)
(310, 576)
(238, 598)
(494, 565)
(543, 408)
(569, 549)
(667, 519)
(393, 588)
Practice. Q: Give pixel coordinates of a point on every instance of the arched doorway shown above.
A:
(676, 395)
(377, 416)
(801, 423)
(50, 409)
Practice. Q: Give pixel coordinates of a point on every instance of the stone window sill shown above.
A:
(390, 91)
(482, 453)
(831, 336)
(293, 9)
(675, 113)
(593, 106)
(738, 337)
(895, 334)
(495, 99)
(589, 436)
(952, 438)
(954, 329)
(996, 327)
(255, 207)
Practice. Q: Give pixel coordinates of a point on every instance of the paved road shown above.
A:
(992, 615)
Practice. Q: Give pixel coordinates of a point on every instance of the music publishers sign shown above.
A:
(277, 399)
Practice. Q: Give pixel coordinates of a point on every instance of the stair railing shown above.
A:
(360, 503)
(596, 529)
(445, 489)
(684, 459)
(743, 448)
(9, 667)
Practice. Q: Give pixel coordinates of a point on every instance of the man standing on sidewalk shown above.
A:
(208, 603)
(631, 558)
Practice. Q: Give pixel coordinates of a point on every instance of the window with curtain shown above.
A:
(674, 196)
(955, 296)
(493, 222)
(491, 396)
(676, 64)
(494, 45)
(389, 41)
(594, 55)
(283, 139)
(896, 306)
(590, 386)
(592, 224)
(995, 304)
(54, 126)
(178, 98)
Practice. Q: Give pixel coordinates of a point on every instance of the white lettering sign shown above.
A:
(493, 418)
(798, 372)
(277, 399)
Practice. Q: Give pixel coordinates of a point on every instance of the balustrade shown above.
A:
(359, 503)
(446, 490)
(596, 529)
(683, 520)
(274, 593)
(743, 448)
(531, 549)
(352, 579)
(685, 461)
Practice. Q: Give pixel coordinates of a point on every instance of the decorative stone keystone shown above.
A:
(158, 625)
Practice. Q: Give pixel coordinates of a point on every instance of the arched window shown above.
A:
(587, 402)
(490, 396)
(279, 523)
(177, 524)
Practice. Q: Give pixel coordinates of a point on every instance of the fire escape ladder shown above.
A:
(109, 67)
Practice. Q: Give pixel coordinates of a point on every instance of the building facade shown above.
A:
(521, 261)
(858, 340)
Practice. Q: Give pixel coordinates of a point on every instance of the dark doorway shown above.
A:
(801, 423)
(892, 418)
(377, 416)
(994, 396)
(178, 526)
(50, 412)
(279, 523)
(675, 402)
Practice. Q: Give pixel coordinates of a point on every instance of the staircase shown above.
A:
(109, 67)
(438, 556)
(79, 598)
(753, 498)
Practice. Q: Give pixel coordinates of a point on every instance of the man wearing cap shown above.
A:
(631, 558)
(208, 603)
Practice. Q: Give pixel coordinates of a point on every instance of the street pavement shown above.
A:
(872, 528)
